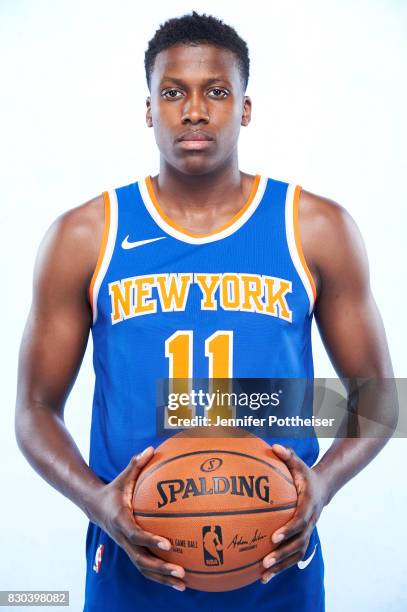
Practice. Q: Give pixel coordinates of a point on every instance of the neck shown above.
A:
(198, 190)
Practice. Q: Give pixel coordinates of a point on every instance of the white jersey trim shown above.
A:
(240, 221)
(108, 251)
(293, 246)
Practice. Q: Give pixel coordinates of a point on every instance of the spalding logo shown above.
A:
(210, 465)
(248, 486)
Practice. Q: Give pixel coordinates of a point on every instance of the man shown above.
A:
(158, 270)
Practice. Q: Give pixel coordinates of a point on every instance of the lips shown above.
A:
(195, 136)
(195, 140)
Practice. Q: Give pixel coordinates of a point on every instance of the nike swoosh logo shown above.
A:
(303, 564)
(131, 245)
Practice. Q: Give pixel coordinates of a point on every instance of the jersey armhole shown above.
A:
(105, 249)
(294, 242)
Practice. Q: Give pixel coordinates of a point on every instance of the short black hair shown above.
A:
(197, 29)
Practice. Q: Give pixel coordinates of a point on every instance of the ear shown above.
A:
(149, 118)
(247, 111)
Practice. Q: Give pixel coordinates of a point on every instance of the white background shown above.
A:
(328, 84)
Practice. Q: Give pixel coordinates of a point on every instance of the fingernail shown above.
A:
(178, 587)
(269, 562)
(177, 574)
(267, 578)
(280, 448)
(278, 538)
(164, 545)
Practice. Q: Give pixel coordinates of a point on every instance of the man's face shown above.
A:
(196, 107)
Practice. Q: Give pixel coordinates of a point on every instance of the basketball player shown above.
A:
(156, 270)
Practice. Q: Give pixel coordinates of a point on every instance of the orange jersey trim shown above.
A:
(298, 245)
(102, 249)
(170, 222)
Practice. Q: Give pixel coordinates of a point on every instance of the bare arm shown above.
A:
(52, 349)
(350, 326)
(353, 334)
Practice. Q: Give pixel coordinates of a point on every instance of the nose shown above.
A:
(195, 109)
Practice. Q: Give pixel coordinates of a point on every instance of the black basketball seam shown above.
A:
(228, 452)
(214, 513)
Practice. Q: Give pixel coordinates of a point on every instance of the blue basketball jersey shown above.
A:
(167, 303)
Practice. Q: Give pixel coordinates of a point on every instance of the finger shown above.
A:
(137, 462)
(138, 537)
(292, 560)
(173, 582)
(298, 524)
(135, 465)
(147, 562)
(127, 478)
(145, 456)
(291, 547)
(290, 457)
(303, 520)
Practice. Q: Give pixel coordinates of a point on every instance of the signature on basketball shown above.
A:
(238, 540)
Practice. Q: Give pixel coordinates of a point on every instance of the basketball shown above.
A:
(218, 500)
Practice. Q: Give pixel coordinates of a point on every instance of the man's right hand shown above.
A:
(112, 510)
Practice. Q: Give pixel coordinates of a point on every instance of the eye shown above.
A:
(171, 94)
(217, 92)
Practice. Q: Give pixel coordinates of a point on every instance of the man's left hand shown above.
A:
(292, 539)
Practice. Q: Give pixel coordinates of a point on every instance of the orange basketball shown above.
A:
(218, 500)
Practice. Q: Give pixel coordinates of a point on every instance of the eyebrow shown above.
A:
(181, 82)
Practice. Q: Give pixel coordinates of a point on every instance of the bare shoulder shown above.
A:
(324, 213)
(70, 247)
(330, 237)
(83, 223)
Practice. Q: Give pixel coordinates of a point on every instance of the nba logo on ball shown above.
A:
(212, 545)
